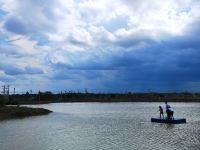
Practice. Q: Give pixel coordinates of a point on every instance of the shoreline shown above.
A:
(120, 101)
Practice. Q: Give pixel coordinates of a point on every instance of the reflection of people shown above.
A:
(169, 111)
(161, 111)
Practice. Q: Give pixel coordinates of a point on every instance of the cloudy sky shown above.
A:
(101, 45)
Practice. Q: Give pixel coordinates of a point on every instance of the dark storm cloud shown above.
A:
(7, 79)
(165, 65)
(63, 72)
(33, 70)
(16, 25)
(13, 69)
(169, 64)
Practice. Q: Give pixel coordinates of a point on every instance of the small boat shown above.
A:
(171, 121)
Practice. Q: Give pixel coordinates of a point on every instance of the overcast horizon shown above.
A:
(103, 45)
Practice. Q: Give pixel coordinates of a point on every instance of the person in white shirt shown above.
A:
(169, 111)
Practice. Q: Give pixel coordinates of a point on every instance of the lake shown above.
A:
(102, 126)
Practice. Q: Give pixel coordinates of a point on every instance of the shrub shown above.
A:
(2, 100)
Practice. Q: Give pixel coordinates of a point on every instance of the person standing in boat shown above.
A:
(161, 112)
(169, 111)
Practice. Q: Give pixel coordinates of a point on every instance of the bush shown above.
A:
(46, 96)
(2, 101)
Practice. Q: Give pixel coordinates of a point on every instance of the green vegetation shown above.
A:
(8, 112)
(49, 97)
(2, 102)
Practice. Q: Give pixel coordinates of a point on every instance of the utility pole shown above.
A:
(61, 95)
(8, 90)
(5, 91)
(86, 91)
(39, 95)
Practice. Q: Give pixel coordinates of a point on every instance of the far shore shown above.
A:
(71, 97)
(40, 102)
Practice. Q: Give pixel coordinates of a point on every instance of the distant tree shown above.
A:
(47, 96)
(2, 101)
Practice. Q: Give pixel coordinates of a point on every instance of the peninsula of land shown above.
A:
(11, 112)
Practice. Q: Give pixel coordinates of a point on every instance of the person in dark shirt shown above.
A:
(161, 112)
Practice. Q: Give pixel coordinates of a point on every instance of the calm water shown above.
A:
(102, 126)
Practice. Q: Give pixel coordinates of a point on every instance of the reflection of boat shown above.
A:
(171, 121)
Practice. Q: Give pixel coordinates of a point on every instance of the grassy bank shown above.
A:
(9, 112)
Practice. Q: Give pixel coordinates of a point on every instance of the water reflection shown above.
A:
(166, 126)
(170, 126)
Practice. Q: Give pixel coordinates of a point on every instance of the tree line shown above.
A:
(49, 97)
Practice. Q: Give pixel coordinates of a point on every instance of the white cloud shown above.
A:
(26, 45)
(65, 30)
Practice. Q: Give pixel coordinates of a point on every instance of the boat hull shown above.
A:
(171, 121)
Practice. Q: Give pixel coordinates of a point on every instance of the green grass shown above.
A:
(9, 112)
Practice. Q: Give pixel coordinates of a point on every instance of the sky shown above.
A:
(101, 45)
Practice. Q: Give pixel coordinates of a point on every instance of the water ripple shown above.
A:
(102, 127)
